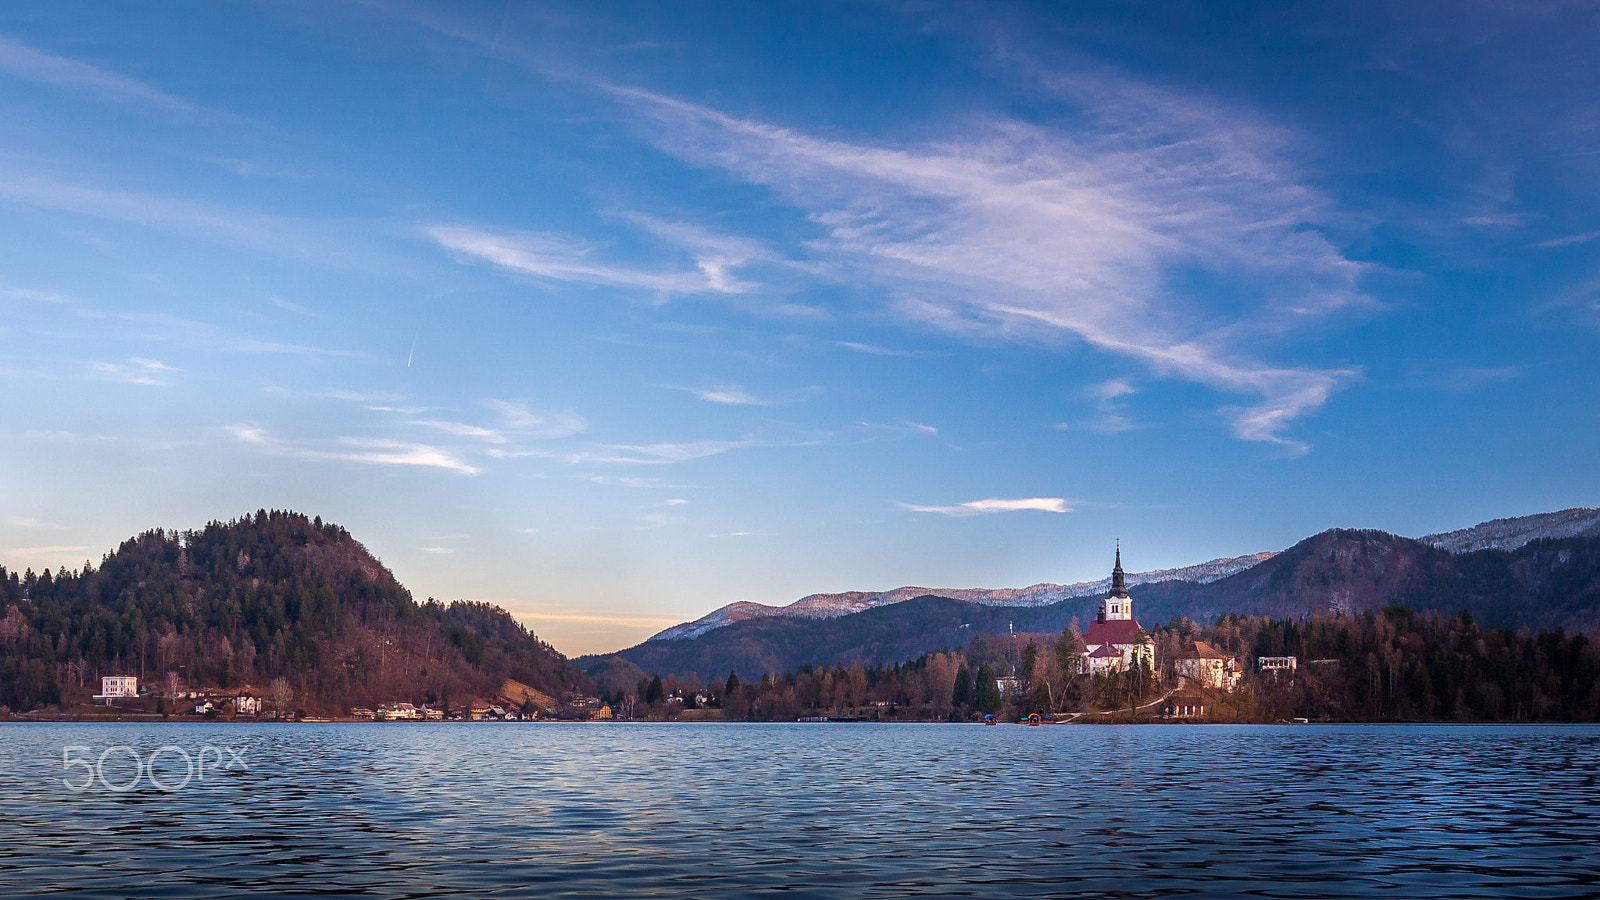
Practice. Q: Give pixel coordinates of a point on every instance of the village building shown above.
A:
(1278, 664)
(1206, 666)
(1116, 642)
(398, 711)
(1184, 705)
(117, 687)
(247, 704)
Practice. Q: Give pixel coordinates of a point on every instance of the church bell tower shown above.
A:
(1117, 605)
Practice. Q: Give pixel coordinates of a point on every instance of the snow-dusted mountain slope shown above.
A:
(828, 606)
(1509, 534)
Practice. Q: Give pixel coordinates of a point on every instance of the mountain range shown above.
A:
(1534, 571)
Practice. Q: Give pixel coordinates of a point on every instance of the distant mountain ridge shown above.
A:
(1550, 578)
(828, 606)
(1509, 534)
(1498, 534)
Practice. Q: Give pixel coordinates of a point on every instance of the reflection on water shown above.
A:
(543, 810)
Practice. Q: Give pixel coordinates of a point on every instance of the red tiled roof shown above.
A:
(1114, 631)
(1104, 651)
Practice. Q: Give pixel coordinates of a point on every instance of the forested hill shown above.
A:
(271, 596)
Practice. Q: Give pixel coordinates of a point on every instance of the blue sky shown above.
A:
(613, 316)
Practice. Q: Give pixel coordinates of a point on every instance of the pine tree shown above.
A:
(962, 694)
(986, 693)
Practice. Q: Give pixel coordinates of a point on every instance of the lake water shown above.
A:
(844, 810)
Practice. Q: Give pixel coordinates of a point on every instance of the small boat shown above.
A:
(1033, 719)
(989, 719)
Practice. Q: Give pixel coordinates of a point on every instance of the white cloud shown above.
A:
(727, 395)
(365, 451)
(439, 550)
(661, 453)
(524, 421)
(871, 348)
(46, 551)
(904, 425)
(634, 482)
(1019, 231)
(36, 296)
(137, 370)
(562, 258)
(1572, 239)
(676, 501)
(42, 68)
(1111, 416)
(461, 429)
(995, 505)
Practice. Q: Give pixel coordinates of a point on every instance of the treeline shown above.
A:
(271, 596)
(1400, 665)
(1397, 665)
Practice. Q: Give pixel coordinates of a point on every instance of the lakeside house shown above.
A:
(1206, 666)
(117, 687)
(1116, 642)
(247, 704)
(398, 712)
(1184, 705)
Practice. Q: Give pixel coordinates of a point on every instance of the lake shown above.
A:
(837, 810)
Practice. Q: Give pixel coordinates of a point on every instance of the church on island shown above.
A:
(1116, 642)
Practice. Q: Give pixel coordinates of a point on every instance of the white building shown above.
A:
(117, 687)
(398, 711)
(1206, 666)
(1276, 664)
(247, 705)
(1116, 641)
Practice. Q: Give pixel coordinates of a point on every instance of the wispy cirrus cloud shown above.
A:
(462, 429)
(48, 551)
(137, 370)
(1471, 377)
(656, 454)
(565, 259)
(1111, 412)
(1019, 231)
(364, 451)
(726, 395)
(872, 349)
(994, 505)
(521, 418)
(1571, 240)
(33, 65)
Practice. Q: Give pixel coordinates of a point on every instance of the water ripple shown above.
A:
(811, 811)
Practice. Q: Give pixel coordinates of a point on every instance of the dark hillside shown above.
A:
(271, 598)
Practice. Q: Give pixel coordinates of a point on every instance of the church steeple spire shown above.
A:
(1119, 582)
(1117, 605)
